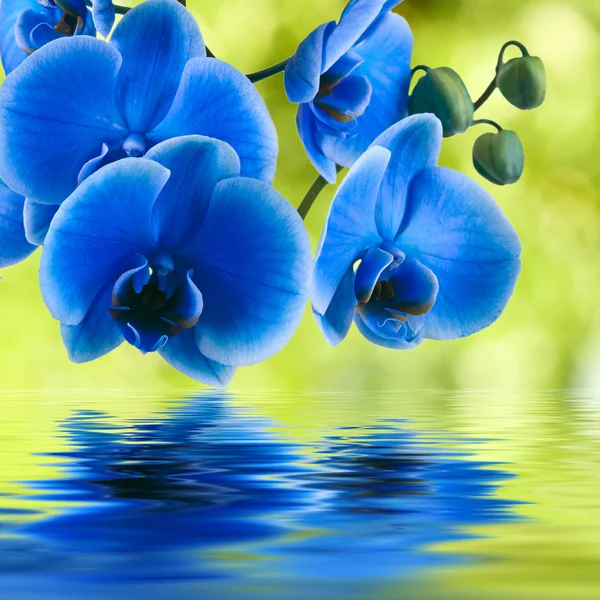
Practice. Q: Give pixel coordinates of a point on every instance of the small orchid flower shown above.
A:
(411, 250)
(14, 247)
(80, 103)
(176, 253)
(351, 80)
(27, 25)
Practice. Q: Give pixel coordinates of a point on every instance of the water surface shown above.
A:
(407, 495)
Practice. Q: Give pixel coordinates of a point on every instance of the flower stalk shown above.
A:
(486, 95)
(313, 193)
(487, 122)
(268, 72)
(494, 83)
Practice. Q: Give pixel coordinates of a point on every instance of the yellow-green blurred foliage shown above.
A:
(550, 334)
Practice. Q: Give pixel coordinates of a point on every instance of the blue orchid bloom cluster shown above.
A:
(143, 167)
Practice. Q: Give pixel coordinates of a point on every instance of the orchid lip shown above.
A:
(338, 115)
(343, 98)
(393, 292)
(149, 310)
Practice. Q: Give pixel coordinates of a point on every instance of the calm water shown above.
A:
(408, 495)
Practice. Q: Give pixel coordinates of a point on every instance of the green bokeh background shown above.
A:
(548, 337)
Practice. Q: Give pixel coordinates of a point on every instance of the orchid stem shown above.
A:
(313, 193)
(123, 10)
(487, 122)
(518, 45)
(268, 72)
(423, 68)
(485, 96)
(494, 84)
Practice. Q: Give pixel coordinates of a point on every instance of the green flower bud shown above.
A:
(442, 92)
(499, 157)
(522, 81)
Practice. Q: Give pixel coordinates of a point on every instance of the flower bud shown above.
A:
(499, 157)
(522, 81)
(442, 92)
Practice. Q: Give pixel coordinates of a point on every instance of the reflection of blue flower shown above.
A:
(27, 25)
(208, 500)
(80, 103)
(181, 256)
(436, 257)
(351, 80)
(13, 245)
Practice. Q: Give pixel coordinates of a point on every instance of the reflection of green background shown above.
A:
(548, 337)
(549, 441)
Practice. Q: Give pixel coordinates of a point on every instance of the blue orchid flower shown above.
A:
(351, 80)
(27, 25)
(14, 247)
(176, 253)
(411, 250)
(80, 103)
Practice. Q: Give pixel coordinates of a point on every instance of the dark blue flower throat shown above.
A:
(150, 305)
(393, 292)
(342, 97)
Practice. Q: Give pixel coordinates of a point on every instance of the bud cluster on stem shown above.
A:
(498, 157)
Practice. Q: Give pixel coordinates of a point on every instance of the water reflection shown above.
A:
(212, 499)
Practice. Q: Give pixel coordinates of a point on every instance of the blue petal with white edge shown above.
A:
(307, 128)
(303, 71)
(337, 320)
(386, 55)
(356, 19)
(103, 12)
(156, 39)
(97, 233)
(216, 100)
(96, 335)
(251, 262)
(182, 353)
(456, 229)
(415, 145)
(14, 246)
(197, 164)
(44, 144)
(350, 229)
(37, 219)
(92, 165)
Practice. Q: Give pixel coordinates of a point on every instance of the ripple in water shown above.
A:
(213, 502)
